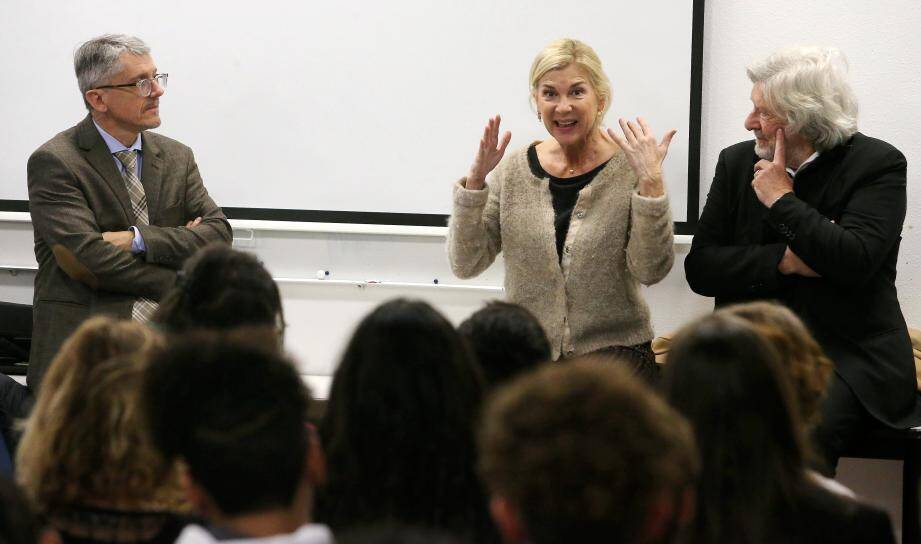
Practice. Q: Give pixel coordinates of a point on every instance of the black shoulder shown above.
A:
(873, 149)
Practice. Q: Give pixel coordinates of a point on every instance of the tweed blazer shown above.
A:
(616, 241)
(75, 194)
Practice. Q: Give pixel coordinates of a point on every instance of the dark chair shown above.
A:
(15, 337)
(905, 446)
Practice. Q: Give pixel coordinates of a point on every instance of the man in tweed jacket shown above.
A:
(116, 209)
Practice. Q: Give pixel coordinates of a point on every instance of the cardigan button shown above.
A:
(580, 215)
(566, 250)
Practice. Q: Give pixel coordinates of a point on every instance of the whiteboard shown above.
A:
(349, 111)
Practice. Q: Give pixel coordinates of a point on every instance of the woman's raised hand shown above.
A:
(644, 154)
(489, 154)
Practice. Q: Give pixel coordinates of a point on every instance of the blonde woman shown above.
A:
(85, 459)
(582, 216)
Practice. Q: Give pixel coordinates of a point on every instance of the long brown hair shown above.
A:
(84, 443)
(802, 359)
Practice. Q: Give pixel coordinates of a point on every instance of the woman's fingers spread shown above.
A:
(667, 139)
(618, 139)
(644, 125)
(637, 131)
(506, 138)
(628, 132)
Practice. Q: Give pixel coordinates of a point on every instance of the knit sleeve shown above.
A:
(474, 237)
(650, 248)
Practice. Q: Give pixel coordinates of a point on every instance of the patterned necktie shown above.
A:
(143, 307)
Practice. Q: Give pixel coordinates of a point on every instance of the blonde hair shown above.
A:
(85, 442)
(561, 53)
(801, 357)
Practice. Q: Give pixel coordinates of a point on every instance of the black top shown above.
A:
(565, 192)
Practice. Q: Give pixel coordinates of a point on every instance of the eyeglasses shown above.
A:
(144, 86)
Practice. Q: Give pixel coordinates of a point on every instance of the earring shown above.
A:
(539, 117)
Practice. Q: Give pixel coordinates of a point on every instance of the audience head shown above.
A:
(222, 288)
(234, 413)
(727, 380)
(85, 442)
(507, 339)
(584, 452)
(807, 89)
(801, 357)
(398, 428)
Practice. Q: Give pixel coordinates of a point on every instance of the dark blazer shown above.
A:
(75, 194)
(844, 220)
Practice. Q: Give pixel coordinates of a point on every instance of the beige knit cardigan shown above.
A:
(617, 240)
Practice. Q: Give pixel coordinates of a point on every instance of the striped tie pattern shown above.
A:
(143, 308)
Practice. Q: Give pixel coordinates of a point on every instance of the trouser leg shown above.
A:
(844, 421)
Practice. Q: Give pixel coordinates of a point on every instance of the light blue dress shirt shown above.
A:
(137, 245)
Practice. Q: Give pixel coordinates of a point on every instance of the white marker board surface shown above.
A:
(349, 111)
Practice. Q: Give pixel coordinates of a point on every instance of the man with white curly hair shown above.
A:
(811, 215)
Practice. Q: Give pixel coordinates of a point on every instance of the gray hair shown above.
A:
(97, 61)
(807, 86)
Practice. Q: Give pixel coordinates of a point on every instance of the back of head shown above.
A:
(398, 428)
(235, 413)
(807, 86)
(507, 340)
(221, 288)
(801, 356)
(727, 381)
(584, 453)
(84, 439)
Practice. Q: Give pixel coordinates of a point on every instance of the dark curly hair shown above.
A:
(582, 450)
(235, 412)
(221, 288)
(398, 428)
(507, 340)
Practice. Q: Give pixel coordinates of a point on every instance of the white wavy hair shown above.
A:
(807, 86)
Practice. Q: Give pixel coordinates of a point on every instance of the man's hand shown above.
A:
(771, 179)
(121, 239)
(791, 264)
(193, 223)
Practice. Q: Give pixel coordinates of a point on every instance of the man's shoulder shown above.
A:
(62, 142)
(165, 144)
(862, 146)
